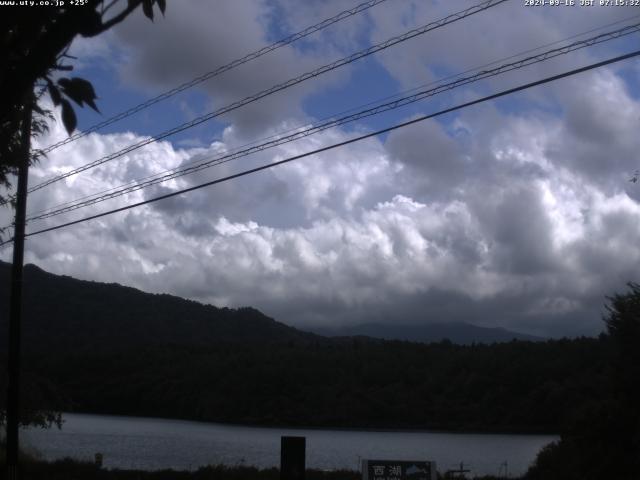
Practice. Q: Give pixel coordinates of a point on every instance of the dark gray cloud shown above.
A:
(494, 34)
(432, 160)
(595, 141)
(189, 43)
(516, 225)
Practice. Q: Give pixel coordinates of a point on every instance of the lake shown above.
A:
(152, 444)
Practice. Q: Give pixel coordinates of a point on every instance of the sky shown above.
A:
(514, 213)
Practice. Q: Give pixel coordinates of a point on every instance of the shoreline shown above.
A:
(69, 468)
(128, 442)
(266, 426)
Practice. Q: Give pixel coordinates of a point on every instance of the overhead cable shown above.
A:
(342, 113)
(277, 88)
(218, 71)
(421, 95)
(340, 144)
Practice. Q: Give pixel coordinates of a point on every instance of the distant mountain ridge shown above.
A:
(63, 313)
(460, 333)
(104, 348)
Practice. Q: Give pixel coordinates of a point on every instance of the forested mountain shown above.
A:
(514, 386)
(94, 347)
(460, 333)
(63, 313)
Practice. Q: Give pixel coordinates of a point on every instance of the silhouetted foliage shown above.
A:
(33, 49)
(602, 440)
(42, 401)
(70, 469)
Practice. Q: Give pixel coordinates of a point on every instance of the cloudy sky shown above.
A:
(516, 213)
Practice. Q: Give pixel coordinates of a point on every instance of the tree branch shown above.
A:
(106, 9)
(120, 17)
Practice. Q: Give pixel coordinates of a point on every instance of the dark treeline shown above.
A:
(106, 348)
(517, 386)
(96, 347)
(68, 469)
(602, 439)
(100, 348)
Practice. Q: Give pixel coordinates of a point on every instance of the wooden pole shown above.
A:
(15, 305)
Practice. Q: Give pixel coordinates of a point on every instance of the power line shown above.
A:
(282, 86)
(218, 71)
(133, 183)
(352, 109)
(342, 144)
(421, 95)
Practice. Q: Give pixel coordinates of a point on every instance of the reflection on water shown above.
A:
(151, 444)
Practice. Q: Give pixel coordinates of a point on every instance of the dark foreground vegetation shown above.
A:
(127, 356)
(602, 440)
(69, 469)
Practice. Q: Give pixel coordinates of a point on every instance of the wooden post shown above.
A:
(15, 303)
(292, 458)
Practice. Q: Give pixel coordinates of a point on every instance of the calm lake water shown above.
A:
(151, 444)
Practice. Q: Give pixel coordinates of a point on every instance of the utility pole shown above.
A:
(15, 303)
(457, 473)
(504, 464)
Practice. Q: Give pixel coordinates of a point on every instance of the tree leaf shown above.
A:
(70, 91)
(162, 4)
(79, 90)
(147, 8)
(68, 116)
(38, 109)
(54, 93)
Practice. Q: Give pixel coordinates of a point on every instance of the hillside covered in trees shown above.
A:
(63, 314)
(358, 383)
(105, 348)
(98, 348)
